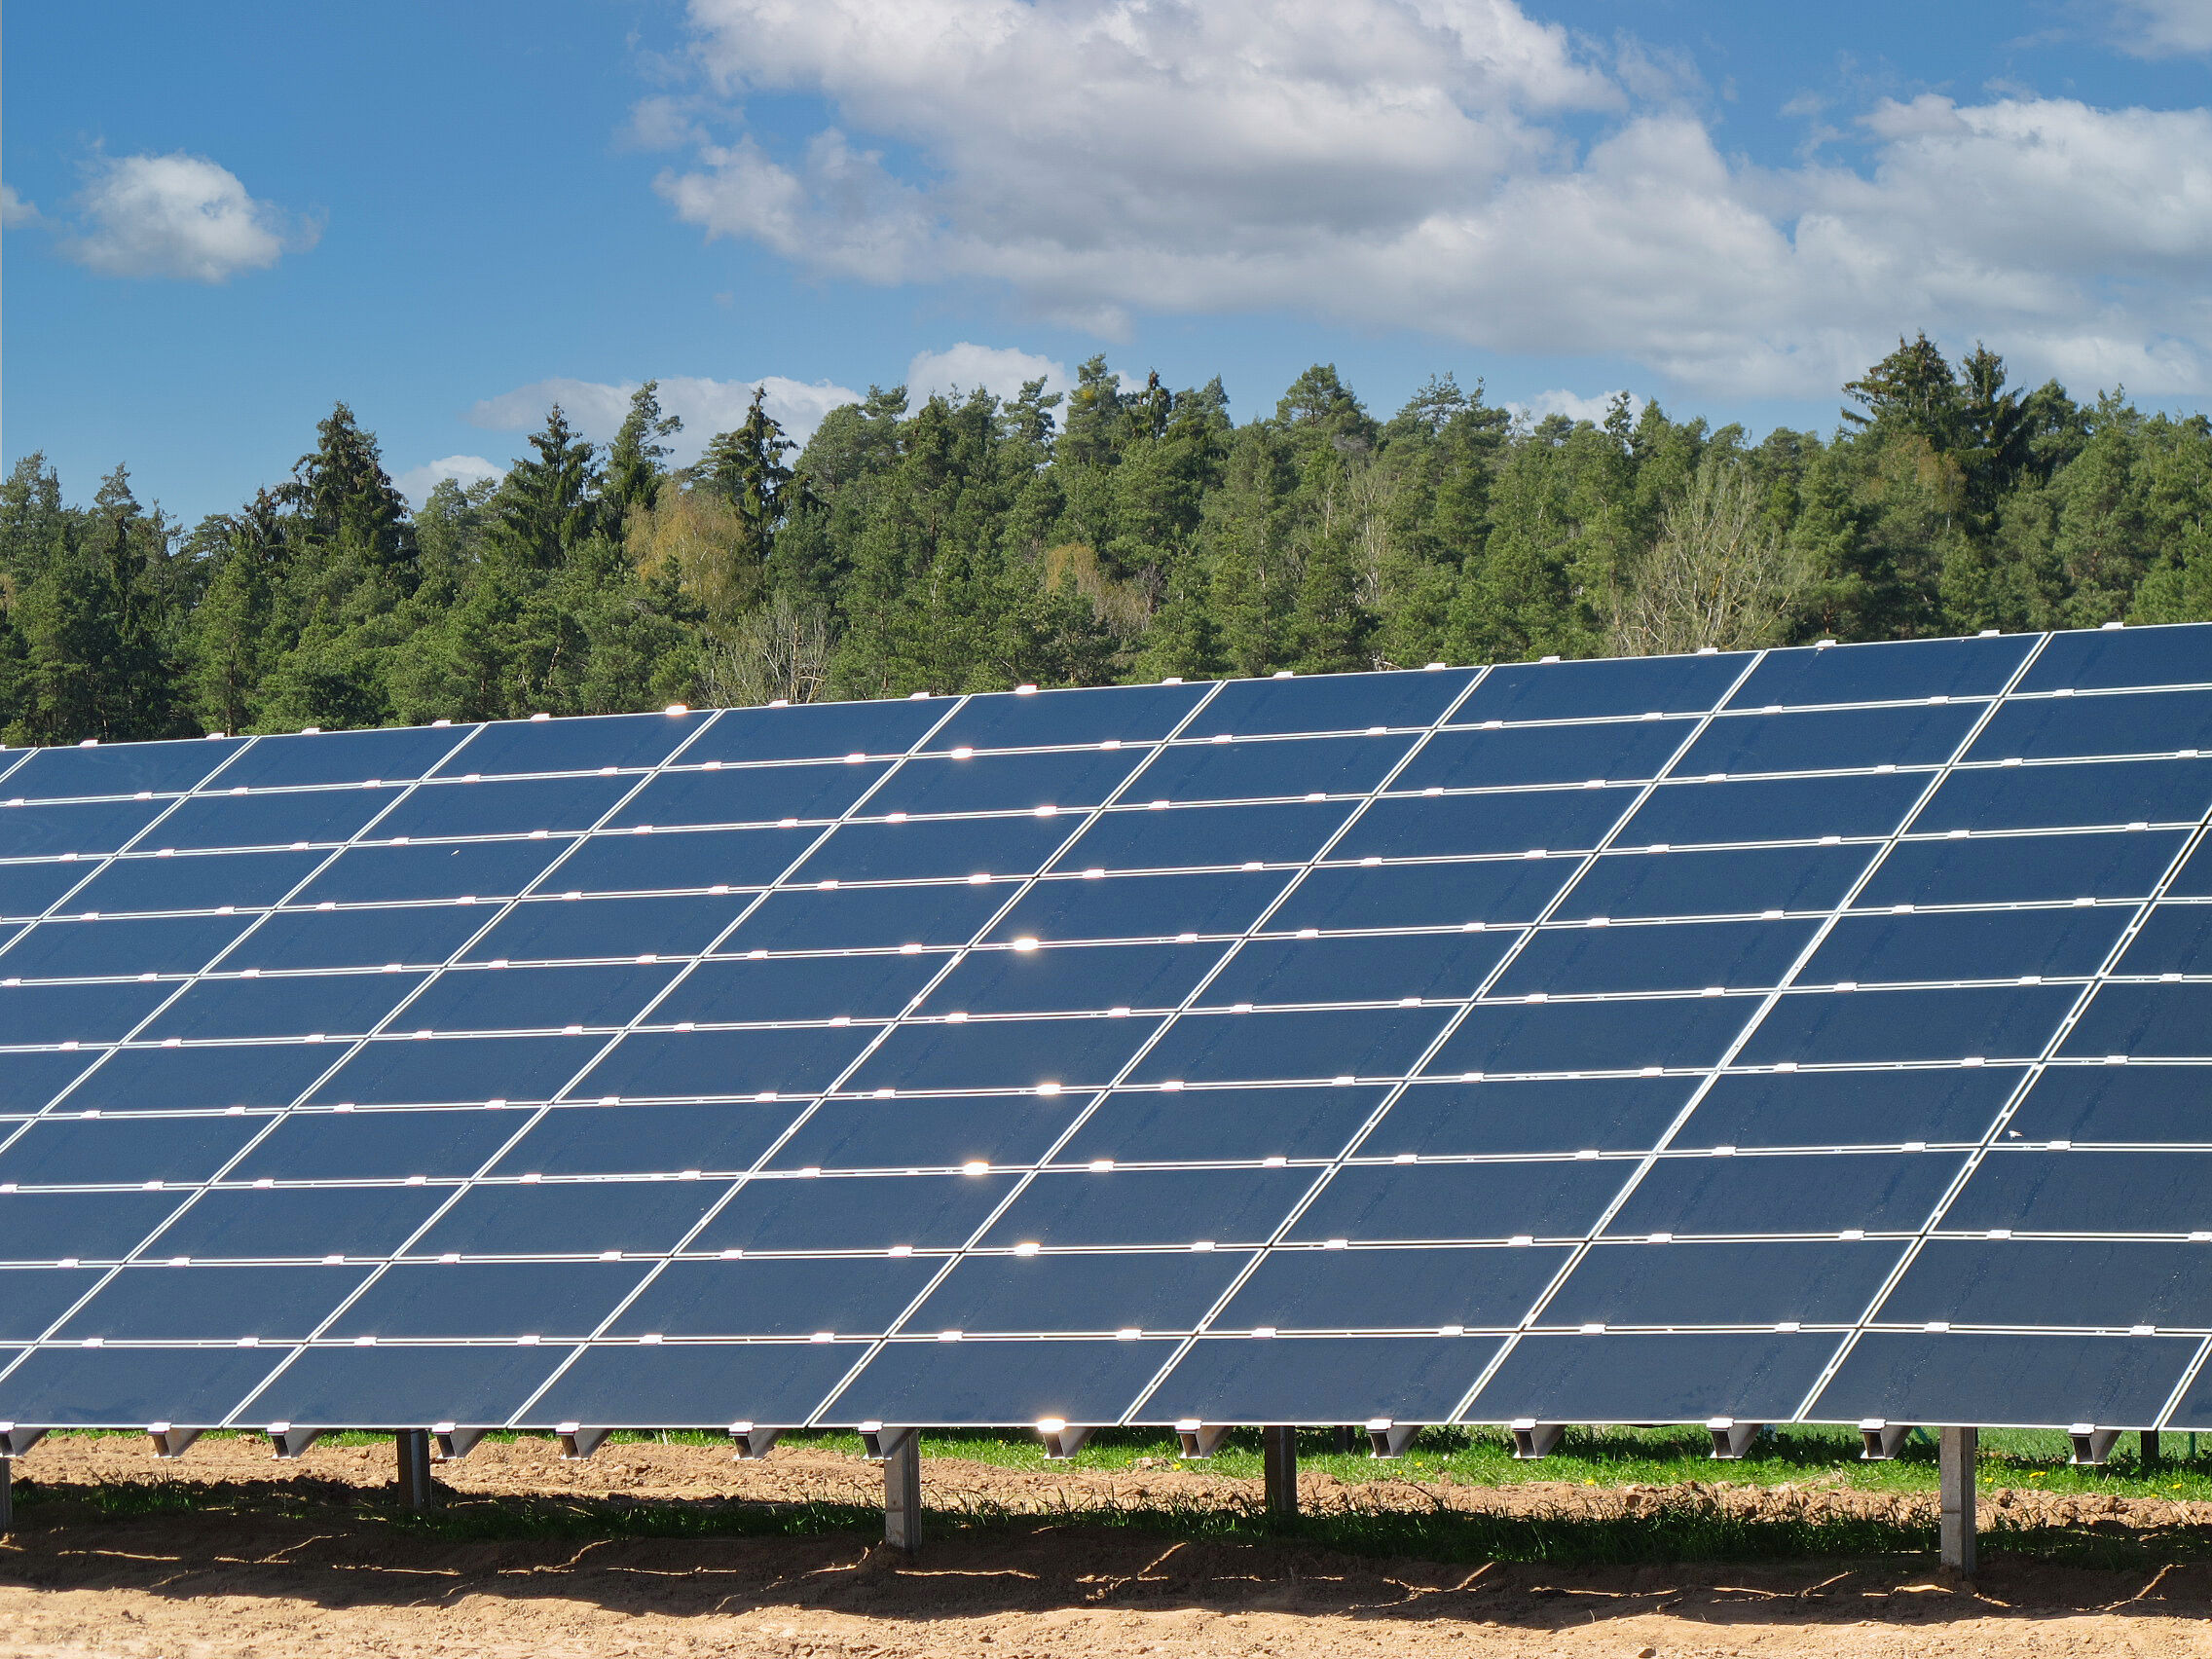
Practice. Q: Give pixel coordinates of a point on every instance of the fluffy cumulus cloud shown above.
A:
(1575, 406)
(2161, 28)
(416, 482)
(1415, 163)
(968, 367)
(14, 210)
(706, 407)
(179, 217)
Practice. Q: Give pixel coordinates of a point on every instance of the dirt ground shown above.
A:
(320, 1582)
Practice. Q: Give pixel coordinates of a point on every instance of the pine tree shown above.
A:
(633, 471)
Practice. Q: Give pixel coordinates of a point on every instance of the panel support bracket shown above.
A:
(1063, 1439)
(1533, 1439)
(2091, 1445)
(1200, 1439)
(752, 1444)
(288, 1442)
(579, 1442)
(1732, 1439)
(1956, 1457)
(1881, 1440)
(418, 1492)
(16, 1439)
(170, 1442)
(449, 1445)
(1387, 1439)
(1278, 1465)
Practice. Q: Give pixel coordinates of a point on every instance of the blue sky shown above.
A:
(223, 217)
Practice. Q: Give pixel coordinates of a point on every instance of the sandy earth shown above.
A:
(326, 1579)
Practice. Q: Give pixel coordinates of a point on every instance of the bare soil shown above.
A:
(321, 1576)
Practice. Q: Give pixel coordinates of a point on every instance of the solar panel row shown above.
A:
(1806, 1034)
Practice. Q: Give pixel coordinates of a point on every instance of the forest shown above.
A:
(1126, 532)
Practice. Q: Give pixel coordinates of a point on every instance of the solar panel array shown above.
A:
(1819, 1034)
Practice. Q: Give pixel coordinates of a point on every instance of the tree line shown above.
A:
(1126, 532)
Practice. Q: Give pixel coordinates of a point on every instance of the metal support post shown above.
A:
(7, 1494)
(1347, 1439)
(903, 1493)
(1278, 1459)
(2150, 1447)
(417, 1490)
(1956, 1458)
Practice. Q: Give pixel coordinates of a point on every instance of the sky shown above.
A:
(221, 218)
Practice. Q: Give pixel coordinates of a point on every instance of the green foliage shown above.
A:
(1132, 531)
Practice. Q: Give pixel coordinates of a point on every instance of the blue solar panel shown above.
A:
(1813, 1034)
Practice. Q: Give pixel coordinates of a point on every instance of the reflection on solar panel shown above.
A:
(1821, 1034)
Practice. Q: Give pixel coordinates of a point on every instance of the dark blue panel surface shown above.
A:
(1424, 894)
(1178, 836)
(32, 1299)
(390, 756)
(469, 870)
(1392, 1290)
(489, 1299)
(2087, 1192)
(315, 816)
(406, 1072)
(1125, 714)
(1830, 740)
(1861, 1027)
(120, 769)
(869, 918)
(75, 1013)
(152, 945)
(750, 795)
(421, 936)
(1141, 907)
(1153, 1291)
(1883, 671)
(398, 1388)
(537, 999)
(1068, 1209)
(77, 830)
(2105, 659)
(1774, 809)
(2149, 1020)
(1254, 1048)
(2118, 1382)
(1593, 1036)
(2021, 870)
(1989, 944)
(855, 1212)
(1739, 881)
(552, 929)
(118, 1387)
(1270, 769)
(1615, 685)
(314, 1004)
(579, 744)
(2067, 794)
(2138, 1104)
(817, 732)
(1478, 760)
(931, 849)
(72, 1151)
(1558, 1198)
(193, 881)
(1688, 956)
(990, 1382)
(1330, 702)
(672, 1064)
(776, 1297)
(697, 1386)
(379, 1146)
(1006, 783)
(1321, 1380)
(2174, 939)
(1357, 969)
(514, 806)
(1070, 978)
(1200, 1124)
(165, 1303)
(54, 1226)
(645, 1140)
(1874, 1191)
(297, 1223)
(1646, 1379)
(1458, 1119)
(577, 1218)
(1766, 1284)
(199, 1080)
(29, 889)
(798, 987)
(1004, 1053)
(2150, 722)
(630, 863)
(29, 1080)
(2102, 1285)
(1851, 1108)
(1518, 821)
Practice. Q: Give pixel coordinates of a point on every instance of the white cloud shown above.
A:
(1573, 406)
(597, 407)
(1401, 164)
(997, 369)
(416, 482)
(2161, 28)
(180, 216)
(15, 211)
